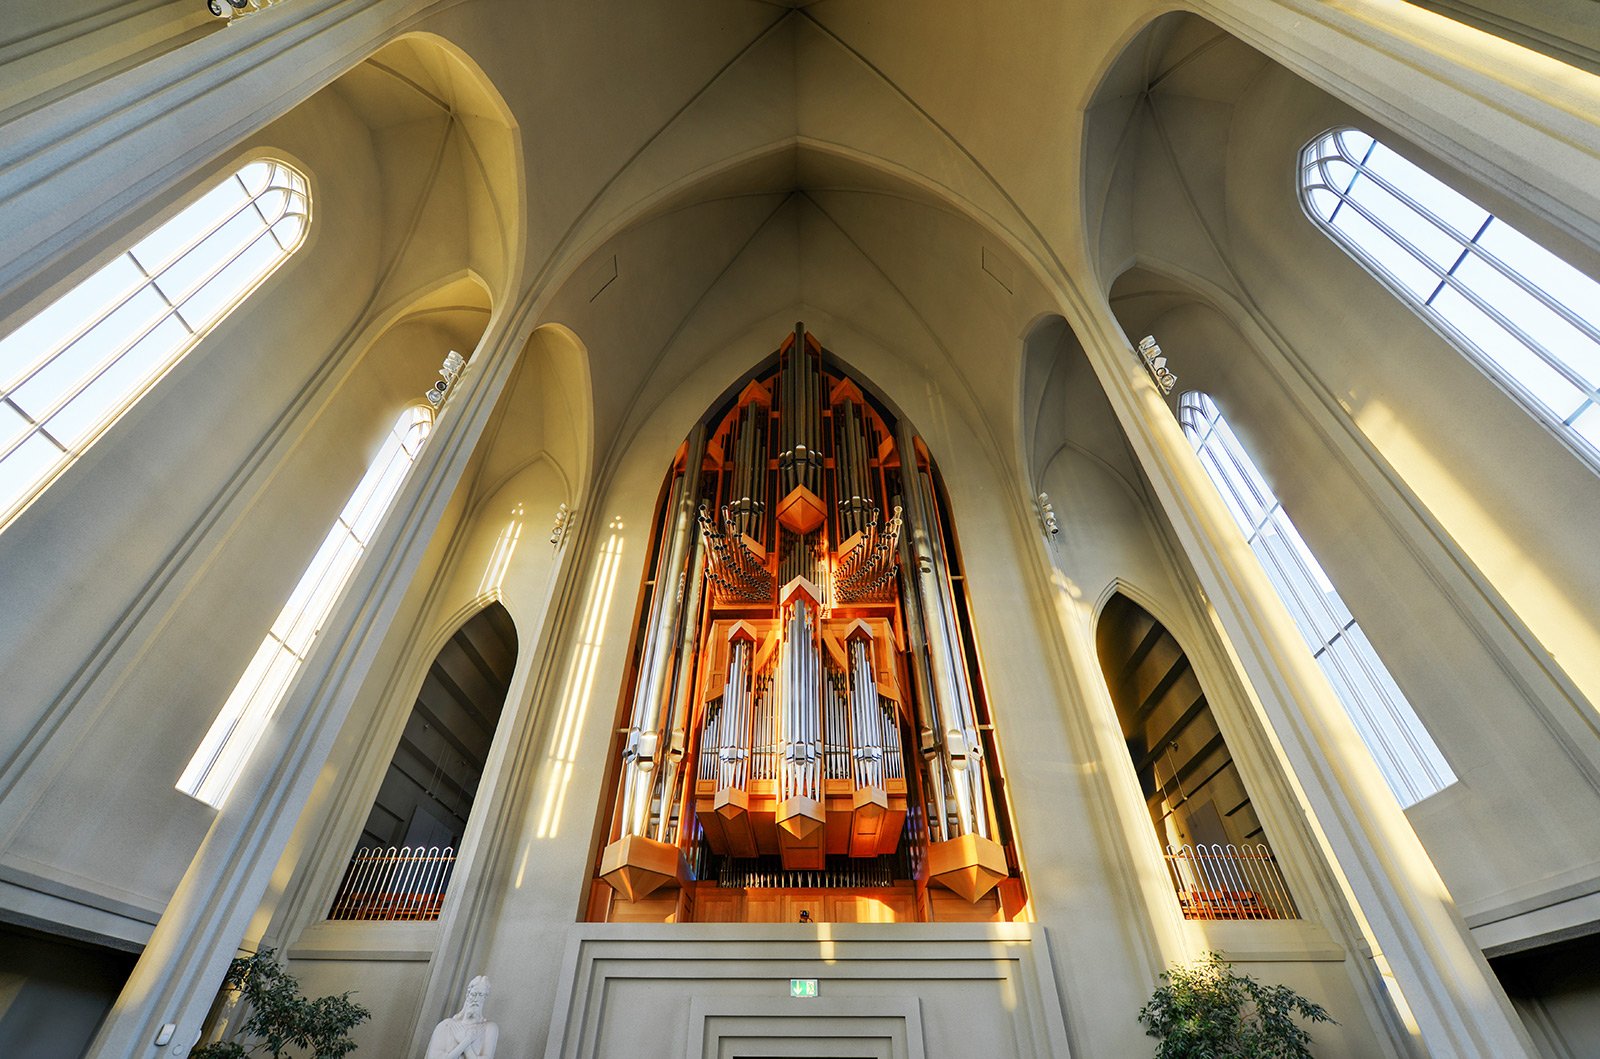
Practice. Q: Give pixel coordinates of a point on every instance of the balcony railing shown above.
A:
(398, 883)
(1229, 882)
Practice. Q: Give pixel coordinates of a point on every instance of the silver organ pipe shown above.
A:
(748, 505)
(790, 639)
(856, 504)
(802, 700)
(837, 730)
(958, 743)
(679, 706)
(867, 716)
(800, 460)
(733, 730)
(641, 752)
(922, 679)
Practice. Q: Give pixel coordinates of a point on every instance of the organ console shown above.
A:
(805, 714)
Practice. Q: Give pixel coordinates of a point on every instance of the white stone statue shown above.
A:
(466, 1035)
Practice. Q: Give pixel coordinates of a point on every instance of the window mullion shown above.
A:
(1471, 246)
(1533, 345)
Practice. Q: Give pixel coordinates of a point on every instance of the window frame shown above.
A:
(122, 247)
(231, 740)
(1420, 773)
(1559, 426)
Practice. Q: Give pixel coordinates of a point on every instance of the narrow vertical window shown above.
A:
(1529, 319)
(255, 698)
(69, 372)
(1405, 753)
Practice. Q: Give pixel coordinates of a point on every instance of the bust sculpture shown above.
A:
(466, 1035)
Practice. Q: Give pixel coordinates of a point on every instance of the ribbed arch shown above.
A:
(74, 368)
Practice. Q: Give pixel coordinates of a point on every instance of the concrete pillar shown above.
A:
(1457, 1004)
(1519, 121)
(177, 976)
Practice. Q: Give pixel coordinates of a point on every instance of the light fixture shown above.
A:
(448, 374)
(234, 9)
(559, 531)
(1047, 514)
(1156, 364)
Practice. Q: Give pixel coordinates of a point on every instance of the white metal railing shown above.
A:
(397, 883)
(1229, 882)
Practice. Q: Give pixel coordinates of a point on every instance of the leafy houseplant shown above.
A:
(281, 1018)
(1205, 1011)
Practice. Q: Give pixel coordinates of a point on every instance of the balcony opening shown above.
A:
(402, 865)
(1217, 854)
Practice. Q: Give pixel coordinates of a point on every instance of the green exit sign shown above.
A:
(803, 987)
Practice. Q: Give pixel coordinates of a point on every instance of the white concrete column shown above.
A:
(1459, 1008)
(177, 976)
(1519, 121)
(73, 167)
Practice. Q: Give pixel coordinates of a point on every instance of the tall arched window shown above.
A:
(1528, 318)
(69, 372)
(255, 698)
(1405, 752)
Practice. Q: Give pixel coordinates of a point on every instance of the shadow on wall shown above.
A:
(54, 993)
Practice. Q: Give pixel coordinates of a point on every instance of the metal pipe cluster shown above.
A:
(733, 719)
(653, 703)
(854, 874)
(732, 568)
(857, 506)
(748, 493)
(953, 747)
(800, 418)
(866, 716)
(867, 570)
(763, 731)
(800, 671)
(836, 726)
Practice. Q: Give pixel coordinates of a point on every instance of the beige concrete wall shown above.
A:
(911, 184)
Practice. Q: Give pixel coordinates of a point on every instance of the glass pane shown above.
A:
(103, 398)
(1456, 210)
(251, 726)
(324, 594)
(1404, 752)
(1411, 274)
(1549, 273)
(1544, 383)
(316, 573)
(27, 465)
(1588, 425)
(383, 493)
(1426, 240)
(207, 305)
(160, 247)
(289, 230)
(195, 267)
(12, 426)
(35, 341)
(1537, 320)
(74, 366)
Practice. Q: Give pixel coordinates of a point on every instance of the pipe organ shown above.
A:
(804, 721)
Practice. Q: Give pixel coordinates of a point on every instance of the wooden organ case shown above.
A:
(803, 731)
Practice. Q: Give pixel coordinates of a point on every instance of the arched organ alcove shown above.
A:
(804, 727)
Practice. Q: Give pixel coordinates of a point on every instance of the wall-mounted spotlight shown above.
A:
(1156, 363)
(1047, 515)
(558, 532)
(448, 374)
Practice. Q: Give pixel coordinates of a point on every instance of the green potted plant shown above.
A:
(1206, 1011)
(280, 1018)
